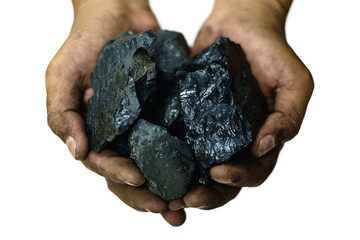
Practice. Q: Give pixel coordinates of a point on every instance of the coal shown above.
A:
(123, 79)
(170, 53)
(120, 144)
(163, 107)
(223, 107)
(165, 160)
(176, 117)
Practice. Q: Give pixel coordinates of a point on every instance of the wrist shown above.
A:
(264, 13)
(112, 7)
(99, 20)
(107, 18)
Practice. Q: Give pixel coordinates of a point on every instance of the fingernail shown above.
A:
(223, 181)
(131, 184)
(71, 144)
(203, 207)
(266, 144)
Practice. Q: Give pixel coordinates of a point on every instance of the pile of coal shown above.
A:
(175, 116)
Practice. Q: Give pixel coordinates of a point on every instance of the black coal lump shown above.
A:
(222, 105)
(120, 144)
(123, 79)
(170, 53)
(163, 106)
(165, 160)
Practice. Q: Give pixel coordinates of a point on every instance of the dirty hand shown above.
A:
(259, 27)
(68, 88)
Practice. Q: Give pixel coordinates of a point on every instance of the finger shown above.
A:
(210, 197)
(177, 204)
(139, 198)
(118, 169)
(207, 35)
(245, 171)
(290, 102)
(174, 218)
(142, 18)
(143, 21)
(87, 95)
(64, 100)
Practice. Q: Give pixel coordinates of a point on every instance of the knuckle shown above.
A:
(109, 184)
(287, 128)
(309, 81)
(56, 124)
(49, 70)
(52, 119)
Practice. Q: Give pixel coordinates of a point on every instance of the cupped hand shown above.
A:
(68, 88)
(258, 26)
(68, 81)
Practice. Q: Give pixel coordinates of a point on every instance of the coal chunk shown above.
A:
(163, 107)
(222, 105)
(120, 144)
(124, 77)
(165, 160)
(170, 53)
(176, 117)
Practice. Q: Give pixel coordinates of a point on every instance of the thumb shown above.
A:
(64, 113)
(291, 99)
(206, 36)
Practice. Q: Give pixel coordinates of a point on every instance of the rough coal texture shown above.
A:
(120, 144)
(170, 53)
(163, 107)
(123, 79)
(176, 117)
(222, 104)
(165, 160)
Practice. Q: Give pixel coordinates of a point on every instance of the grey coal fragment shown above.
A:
(123, 79)
(222, 104)
(166, 161)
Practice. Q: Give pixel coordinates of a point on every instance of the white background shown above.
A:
(313, 192)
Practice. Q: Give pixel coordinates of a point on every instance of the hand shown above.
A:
(68, 88)
(285, 81)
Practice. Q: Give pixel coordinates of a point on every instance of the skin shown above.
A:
(257, 25)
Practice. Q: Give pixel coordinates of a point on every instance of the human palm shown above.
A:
(68, 88)
(284, 80)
